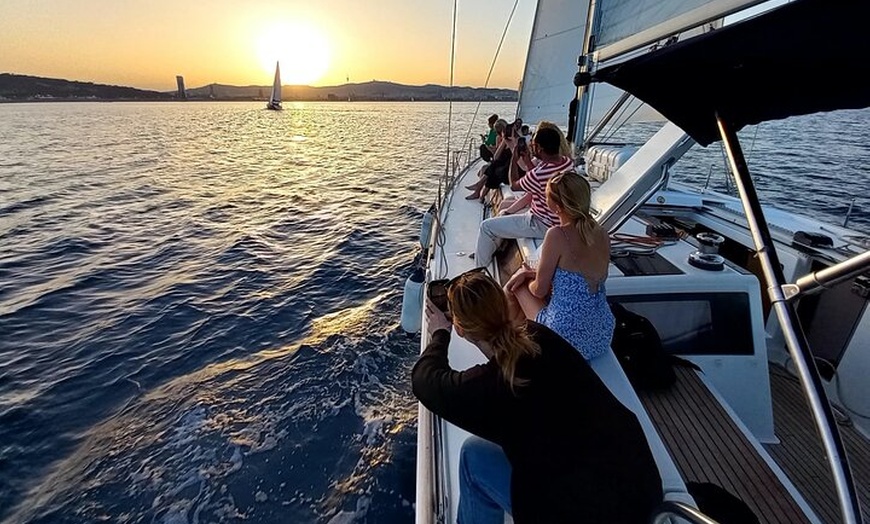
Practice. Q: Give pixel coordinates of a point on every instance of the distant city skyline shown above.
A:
(147, 44)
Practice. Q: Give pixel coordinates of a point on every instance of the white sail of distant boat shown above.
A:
(275, 97)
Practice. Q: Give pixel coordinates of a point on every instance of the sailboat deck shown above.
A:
(801, 455)
(708, 446)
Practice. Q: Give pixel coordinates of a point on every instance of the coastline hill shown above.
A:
(371, 91)
(15, 87)
(34, 88)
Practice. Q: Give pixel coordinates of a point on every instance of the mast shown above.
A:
(578, 115)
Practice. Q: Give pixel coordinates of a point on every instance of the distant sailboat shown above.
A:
(275, 98)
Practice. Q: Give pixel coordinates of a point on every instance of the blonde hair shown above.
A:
(571, 192)
(565, 147)
(480, 308)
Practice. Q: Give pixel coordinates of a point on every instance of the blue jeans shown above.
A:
(484, 483)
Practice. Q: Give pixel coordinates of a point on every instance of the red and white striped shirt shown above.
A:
(535, 183)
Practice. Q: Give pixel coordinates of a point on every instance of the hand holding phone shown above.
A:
(437, 293)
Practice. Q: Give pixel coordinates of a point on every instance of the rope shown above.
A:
(623, 244)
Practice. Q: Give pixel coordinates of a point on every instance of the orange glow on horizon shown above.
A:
(146, 44)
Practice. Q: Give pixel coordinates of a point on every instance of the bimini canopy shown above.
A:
(804, 57)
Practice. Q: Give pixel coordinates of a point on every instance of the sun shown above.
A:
(302, 50)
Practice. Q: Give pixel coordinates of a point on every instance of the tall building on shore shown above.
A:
(182, 94)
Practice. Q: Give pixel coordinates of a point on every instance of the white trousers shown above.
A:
(494, 230)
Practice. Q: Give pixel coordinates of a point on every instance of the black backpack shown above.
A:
(639, 349)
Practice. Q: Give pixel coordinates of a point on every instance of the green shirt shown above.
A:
(490, 138)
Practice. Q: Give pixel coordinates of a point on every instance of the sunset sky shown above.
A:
(145, 44)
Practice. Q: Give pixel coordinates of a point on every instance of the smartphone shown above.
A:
(437, 292)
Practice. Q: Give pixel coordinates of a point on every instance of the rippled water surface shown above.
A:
(199, 302)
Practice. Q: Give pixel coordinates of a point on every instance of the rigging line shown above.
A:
(450, 103)
(729, 177)
(443, 200)
(492, 67)
(621, 119)
(605, 134)
(752, 143)
(626, 117)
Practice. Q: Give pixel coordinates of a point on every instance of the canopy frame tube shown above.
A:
(795, 339)
(821, 280)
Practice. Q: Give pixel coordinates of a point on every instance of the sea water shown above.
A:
(199, 302)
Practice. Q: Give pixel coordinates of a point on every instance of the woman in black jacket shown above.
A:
(573, 452)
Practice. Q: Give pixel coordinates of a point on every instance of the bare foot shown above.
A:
(473, 196)
(472, 186)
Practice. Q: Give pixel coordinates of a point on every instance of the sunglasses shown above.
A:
(438, 289)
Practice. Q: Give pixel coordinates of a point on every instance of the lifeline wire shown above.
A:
(450, 103)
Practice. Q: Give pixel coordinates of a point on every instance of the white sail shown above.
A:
(275, 97)
(556, 43)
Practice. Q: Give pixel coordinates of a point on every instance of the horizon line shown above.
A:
(265, 86)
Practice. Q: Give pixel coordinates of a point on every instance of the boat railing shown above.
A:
(460, 159)
(672, 508)
(826, 278)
